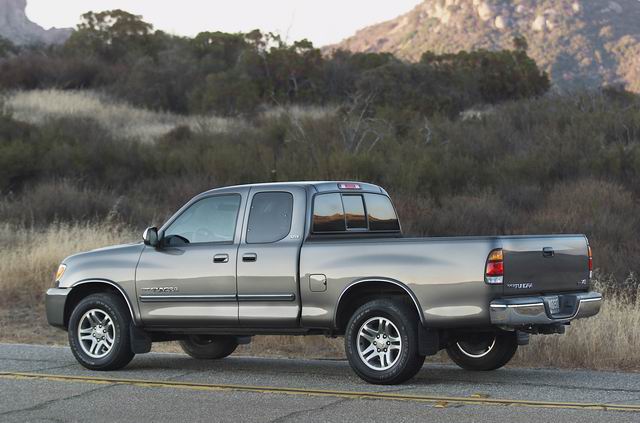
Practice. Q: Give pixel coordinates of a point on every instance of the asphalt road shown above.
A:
(40, 383)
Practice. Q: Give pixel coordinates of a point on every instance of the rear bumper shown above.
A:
(527, 311)
(55, 300)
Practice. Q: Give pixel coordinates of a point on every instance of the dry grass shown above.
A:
(29, 257)
(129, 122)
(121, 119)
(607, 341)
(300, 112)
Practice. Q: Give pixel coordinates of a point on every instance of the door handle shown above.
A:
(221, 258)
(547, 252)
(250, 257)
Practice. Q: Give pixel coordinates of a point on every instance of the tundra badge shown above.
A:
(525, 285)
(161, 289)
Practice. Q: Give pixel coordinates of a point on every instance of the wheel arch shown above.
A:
(360, 291)
(83, 288)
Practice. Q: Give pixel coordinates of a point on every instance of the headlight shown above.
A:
(60, 272)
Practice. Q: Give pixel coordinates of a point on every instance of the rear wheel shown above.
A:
(483, 351)
(381, 342)
(99, 332)
(205, 347)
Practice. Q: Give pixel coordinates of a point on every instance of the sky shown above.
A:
(322, 22)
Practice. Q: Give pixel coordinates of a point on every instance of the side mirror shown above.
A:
(150, 236)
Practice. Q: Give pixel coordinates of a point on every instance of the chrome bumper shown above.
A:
(525, 311)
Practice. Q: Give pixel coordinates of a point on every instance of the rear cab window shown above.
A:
(381, 214)
(328, 214)
(341, 213)
(354, 212)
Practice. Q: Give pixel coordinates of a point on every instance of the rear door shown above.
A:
(267, 275)
(545, 264)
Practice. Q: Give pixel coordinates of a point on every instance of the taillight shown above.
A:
(494, 270)
(590, 262)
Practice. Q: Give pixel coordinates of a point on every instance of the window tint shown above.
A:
(382, 216)
(354, 211)
(212, 219)
(270, 217)
(328, 215)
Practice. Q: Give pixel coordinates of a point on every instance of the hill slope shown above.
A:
(16, 26)
(578, 42)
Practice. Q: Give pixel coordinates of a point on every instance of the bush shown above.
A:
(227, 94)
(51, 201)
(606, 212)
(32, 70)
(551, 164)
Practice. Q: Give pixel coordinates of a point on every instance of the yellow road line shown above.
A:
(439, 401)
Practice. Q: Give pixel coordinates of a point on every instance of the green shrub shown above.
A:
(550, 164)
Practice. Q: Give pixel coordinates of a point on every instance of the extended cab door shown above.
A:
(190, 280)
(268, 294)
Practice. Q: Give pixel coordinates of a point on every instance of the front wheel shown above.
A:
(99, 332)
(483, 351)
(204, 347)
(381, 342)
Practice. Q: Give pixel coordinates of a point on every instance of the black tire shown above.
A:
(473, 353)
(209, 347)
(120, 354)
(407, 362)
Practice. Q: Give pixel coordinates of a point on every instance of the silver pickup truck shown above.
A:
(319, 258)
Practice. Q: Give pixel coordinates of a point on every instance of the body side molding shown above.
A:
(187, 298)
(267, 297)
(216, 298)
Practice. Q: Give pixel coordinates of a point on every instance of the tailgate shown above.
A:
(543, 264)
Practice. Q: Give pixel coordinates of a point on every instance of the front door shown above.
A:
(190, 280)
(268, 294)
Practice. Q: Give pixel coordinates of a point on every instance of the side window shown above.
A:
(270, 217)
(354, 211)
(212, 219)
(328, 214)
(382, 216)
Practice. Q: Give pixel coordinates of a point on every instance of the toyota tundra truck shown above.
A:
(319, 258)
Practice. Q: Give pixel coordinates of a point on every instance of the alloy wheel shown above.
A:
(96, 333)
(379, 343)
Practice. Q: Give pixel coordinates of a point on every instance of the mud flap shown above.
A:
(428, 341)
(140, 340)
(243, 340)
(522, 337)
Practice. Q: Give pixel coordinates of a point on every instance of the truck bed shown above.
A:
(446, 274)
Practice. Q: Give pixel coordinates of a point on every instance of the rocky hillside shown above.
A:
(16, 26)
(578, 42)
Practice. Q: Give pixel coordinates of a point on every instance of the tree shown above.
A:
(520, 43)
(228, 94)
(496, 75)
(294, 72)
(7, 48)
(112, 35)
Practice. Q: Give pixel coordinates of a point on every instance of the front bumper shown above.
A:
(527, 311)
(55, 300)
